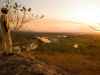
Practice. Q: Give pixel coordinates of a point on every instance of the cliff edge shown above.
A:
(24, 64)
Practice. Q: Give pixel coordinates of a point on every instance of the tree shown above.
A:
(18, 15)
(94, 28)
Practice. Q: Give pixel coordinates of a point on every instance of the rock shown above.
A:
(23, 64)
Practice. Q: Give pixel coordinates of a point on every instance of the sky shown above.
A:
(63, 15)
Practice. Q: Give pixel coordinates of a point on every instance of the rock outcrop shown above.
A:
(23, 64)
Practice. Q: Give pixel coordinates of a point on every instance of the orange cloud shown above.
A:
(50, 25)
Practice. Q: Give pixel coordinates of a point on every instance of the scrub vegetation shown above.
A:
(84, 60)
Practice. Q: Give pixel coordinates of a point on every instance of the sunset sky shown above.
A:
(63, 15)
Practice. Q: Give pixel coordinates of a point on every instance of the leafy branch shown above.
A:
(19, 15)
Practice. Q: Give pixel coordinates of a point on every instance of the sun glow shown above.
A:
(64, 15)
(87, 14)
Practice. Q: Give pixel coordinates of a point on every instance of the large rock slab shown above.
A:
(23, 64)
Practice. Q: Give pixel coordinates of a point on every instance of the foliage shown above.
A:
(22, 38)
(87, 45)
(18, 15)
(84, 60)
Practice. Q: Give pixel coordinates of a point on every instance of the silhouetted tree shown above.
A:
(95, 28)
(18, 15)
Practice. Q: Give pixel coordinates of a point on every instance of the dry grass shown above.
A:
(73, 64)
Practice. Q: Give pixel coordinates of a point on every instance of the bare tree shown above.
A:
(19, 15)
(94, 28)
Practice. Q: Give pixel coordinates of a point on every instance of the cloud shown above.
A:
(56, 25)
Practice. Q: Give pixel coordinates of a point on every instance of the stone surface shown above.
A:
(23, 64)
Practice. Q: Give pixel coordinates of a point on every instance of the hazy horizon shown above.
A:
(63, 15)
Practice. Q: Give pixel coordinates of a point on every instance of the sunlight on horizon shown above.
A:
(63, 15)
(88, 14)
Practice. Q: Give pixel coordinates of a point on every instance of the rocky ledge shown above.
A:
(23, 64)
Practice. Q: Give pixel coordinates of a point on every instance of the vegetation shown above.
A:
(84, 60)
(87, 45)
(18, 15)
(73, 64)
